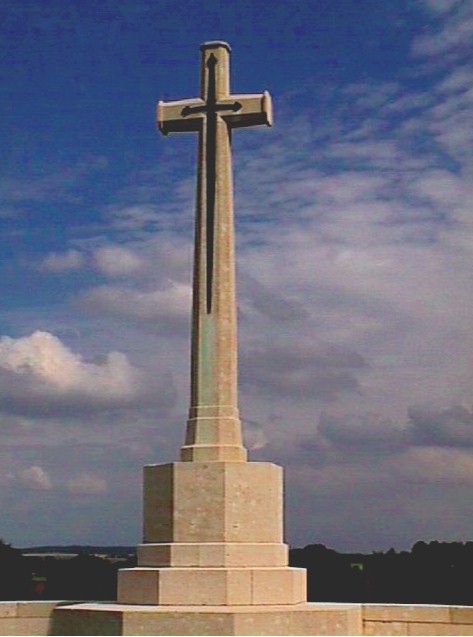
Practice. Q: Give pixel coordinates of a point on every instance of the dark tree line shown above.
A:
(84, 577)
(433, 573)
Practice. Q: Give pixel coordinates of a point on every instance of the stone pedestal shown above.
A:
(212, 537)
(212, 562)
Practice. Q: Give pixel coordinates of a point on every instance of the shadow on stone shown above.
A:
(66, 621)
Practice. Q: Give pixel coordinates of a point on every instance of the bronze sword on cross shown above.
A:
(211, 108)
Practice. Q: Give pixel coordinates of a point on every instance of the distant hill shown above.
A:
(75, 549)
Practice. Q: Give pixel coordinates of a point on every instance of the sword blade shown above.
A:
(211, 174)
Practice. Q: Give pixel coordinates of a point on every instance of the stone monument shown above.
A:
(213, 522)
(212, 561)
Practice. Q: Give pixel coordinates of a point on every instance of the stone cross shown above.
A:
(214, 429)
(213, 559)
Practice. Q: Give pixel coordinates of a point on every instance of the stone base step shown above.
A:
(213, 554)
(211, 586)
(118, 619)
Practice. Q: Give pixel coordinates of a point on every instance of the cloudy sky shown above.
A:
(355, 228)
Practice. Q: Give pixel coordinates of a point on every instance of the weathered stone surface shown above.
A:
(62, 618)
(212, 587)
(385, 628)
(27, 617)
(25, 626)
(301, 619)
(422, 619)
(461, 614)
(213, 554)
(84, 619)
(8, 609)
(437, 628)
(213, 502)
(406, 612)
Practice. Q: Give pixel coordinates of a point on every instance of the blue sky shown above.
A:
(354, 223)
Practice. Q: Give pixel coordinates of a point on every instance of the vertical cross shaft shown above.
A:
(214, 429)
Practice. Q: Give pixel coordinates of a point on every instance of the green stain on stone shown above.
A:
(206, 377)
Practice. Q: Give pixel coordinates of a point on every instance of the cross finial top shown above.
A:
(188, 114)
(213, 44)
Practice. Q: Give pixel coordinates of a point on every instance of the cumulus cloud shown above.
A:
(269, 302)
(451, 427)
(166, 309)
(433, 465)
(86, 484)
(450, 36)
(442, 6)
(59, 262)
(377, 245)
(377, 250)
(117, 261)
(109, 260)
(35, 478)
(39, 374)
(301, 369)
(363, 431)
(136, 220)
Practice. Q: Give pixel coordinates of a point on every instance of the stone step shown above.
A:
(213, 554)
(211, 586)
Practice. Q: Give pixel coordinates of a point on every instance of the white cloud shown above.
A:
(389, 500)
(35, 478)
(355, 264)
(442, 6)
(38, 372)
(86, 484)
(363, 431)
(456, 80)
(433, 465)
(135, 220)
(167, 309)
(298, 368)
(116, 261)
(451, 35)
(62, 262)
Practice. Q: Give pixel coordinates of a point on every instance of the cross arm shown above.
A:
(170, 117)
(256, 110)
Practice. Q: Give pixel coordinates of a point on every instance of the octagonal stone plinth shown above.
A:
(201, 502)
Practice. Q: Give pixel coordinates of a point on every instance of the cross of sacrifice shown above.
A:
(214, 429)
